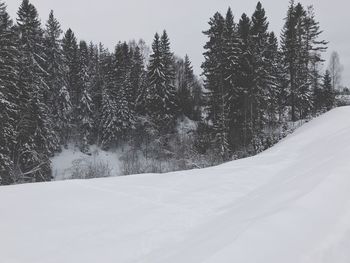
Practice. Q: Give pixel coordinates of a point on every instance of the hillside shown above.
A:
(290, 204)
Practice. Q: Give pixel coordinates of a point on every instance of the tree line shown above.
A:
(56, 90)
(254, 83)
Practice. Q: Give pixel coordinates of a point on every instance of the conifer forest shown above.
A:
(56, 90)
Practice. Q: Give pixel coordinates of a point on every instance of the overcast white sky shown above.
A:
(110, 21)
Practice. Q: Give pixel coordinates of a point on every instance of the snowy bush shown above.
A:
(87, 168)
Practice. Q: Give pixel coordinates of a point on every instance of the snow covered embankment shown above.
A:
(289, 204)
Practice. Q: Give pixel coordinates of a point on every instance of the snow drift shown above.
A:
(289, 204)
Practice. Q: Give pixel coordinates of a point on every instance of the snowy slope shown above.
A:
(290, 204)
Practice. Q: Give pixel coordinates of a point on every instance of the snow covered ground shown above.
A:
(64, 163)
(290, 204)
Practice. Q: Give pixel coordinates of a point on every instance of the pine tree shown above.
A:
(124, 92)
(9, 94)
(36, 139)
(109, 118)
(245, 78)
(167, 60)
(71, 64)
(109, 121)
(328, 92)
(214, 70)
(261, 67)
(161, 95)
(317, 91)
(197, 96)
(96, 82)
(289, 51)
(64, 111)
(212, 66)
(301, 50)
(186, 85)
(55, 74)
(275, 86)
(313, 47)
(232, 90)
(117, 118)
(85, 115)
(138, 78)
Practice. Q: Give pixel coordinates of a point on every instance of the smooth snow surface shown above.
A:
(290, 204)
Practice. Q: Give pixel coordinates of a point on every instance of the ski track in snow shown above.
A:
(289, 204)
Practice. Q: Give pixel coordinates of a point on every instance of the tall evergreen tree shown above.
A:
(232, 90)
(71, 63)
(85, 115)
(36, 139)
(161, 95)
(167, 60)
(138, 81)
(301, 50)
(213, 70)
(55, 72)
(290, 49)
(123, 94)
(64, 112)
(261, 66)
(186, 86)
(316, 86)
(9, 93)
(275, 85)
(328, 92)
(109, 117)
(245, 78)
(96, 82)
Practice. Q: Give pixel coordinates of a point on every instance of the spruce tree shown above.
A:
(71, 67)
(186, 85)
(316, 86)
(9, 93)
(138, 81)
(290, 53)
(301, 50)
(167, 60)
(328, 92)
(274, 86)
(313, 48)
(96, 82)
(232, 90)
(84, 115)
(245, 79)
(64, 111)
(261, 66)
(109, 121)
(36, 139)
(161, 95)
(214, 70)
(109, 118)
(123, 95)
(55, 74)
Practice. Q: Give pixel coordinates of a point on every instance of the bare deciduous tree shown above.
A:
(335, 69)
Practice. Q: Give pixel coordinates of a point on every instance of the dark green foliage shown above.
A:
(9, 92)
(328, 92)
(71, 61)
(36, 138)
(55, 78)
(301, 52)
(214, 72)
(161, 94)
